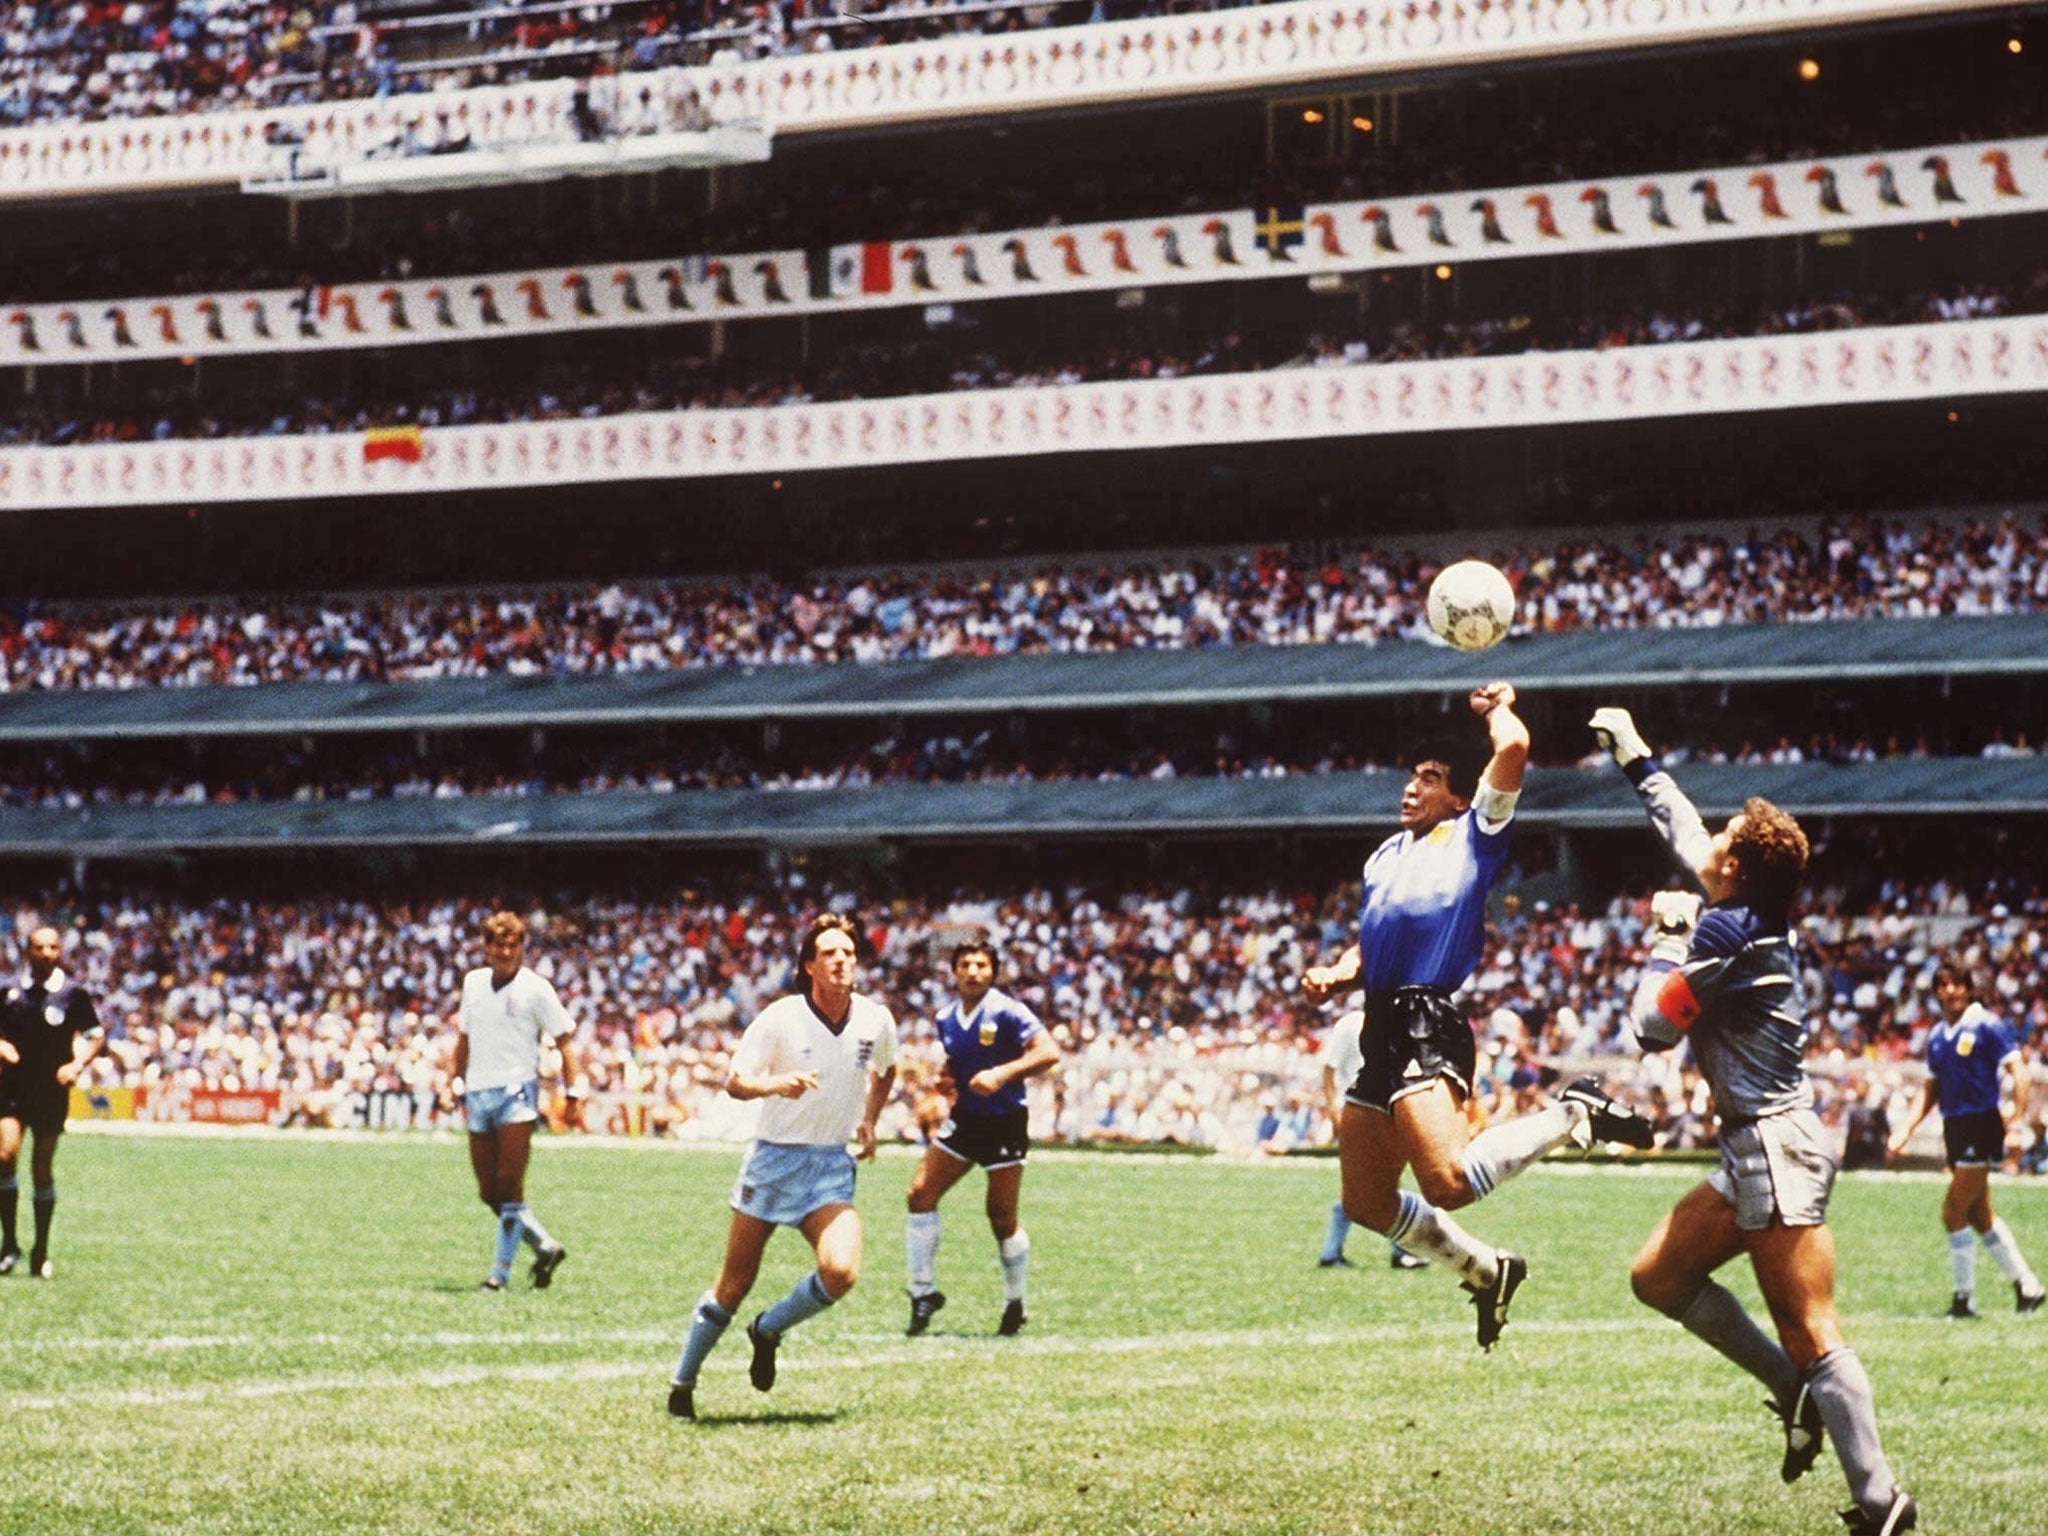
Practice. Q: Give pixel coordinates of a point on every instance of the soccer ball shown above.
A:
(1471, 605)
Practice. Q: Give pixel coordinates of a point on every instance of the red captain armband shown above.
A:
(1675, 1001)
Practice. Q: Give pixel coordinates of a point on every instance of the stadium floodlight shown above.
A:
(401, 167)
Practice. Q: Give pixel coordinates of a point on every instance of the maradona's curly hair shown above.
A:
(1771, 852)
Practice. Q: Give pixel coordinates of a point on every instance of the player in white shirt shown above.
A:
(822, 1061)
(1342, 1057)
(507, 1010)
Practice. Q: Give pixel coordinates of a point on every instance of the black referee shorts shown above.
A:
(989, 1141)
(1413, 1036)
(41, 1107)
(1974, 1141)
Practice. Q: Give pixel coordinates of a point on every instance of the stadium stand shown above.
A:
(671, 754)
(1178, 1005)
(1875, 569)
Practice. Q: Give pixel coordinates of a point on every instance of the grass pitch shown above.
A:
(285, 1335)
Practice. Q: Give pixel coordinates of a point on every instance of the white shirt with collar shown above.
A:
(790, 1035)
(506, 1025)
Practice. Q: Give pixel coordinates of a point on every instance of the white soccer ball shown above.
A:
(1471, 605)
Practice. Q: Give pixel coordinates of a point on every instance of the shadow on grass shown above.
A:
(771, 1416)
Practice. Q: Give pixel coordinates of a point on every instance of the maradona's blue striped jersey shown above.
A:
(1423, 919)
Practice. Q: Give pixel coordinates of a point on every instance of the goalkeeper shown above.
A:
(1727, 981)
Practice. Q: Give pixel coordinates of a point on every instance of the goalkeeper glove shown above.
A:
(1617, 734)
(1676, 914)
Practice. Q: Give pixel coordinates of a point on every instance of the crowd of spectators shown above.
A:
(1360, 596)
(976, 752)
(178, 55)
(1179, 1009)
(927, 362)
(91, 60)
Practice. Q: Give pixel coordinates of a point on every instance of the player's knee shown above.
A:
(922, 1201)
(1651, 1288)
(1444, 1186)
(838, 1276)
(1374, 1214)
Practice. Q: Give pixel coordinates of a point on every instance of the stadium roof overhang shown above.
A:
(1860, 651)
(1554, 799)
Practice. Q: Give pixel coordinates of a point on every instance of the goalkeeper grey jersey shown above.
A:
(1738, 999)
(1737, 995)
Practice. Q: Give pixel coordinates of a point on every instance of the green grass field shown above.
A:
(285, 1335)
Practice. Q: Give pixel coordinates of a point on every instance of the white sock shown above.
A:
(1962, 1261)
(1015, 1252)
(1426, 1231)
(2005, 1253)
(921, 1245)
(1497, 1155)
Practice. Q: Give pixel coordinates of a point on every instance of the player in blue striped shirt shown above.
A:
(1422, 927)
(993, 1045)
(1967, 1054)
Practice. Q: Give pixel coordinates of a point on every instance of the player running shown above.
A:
(822, 1061)
(1965, 1058)
(993, 1045)
(1342, 1056)
(1422, 926)
(1727, 981)
(507, 1010)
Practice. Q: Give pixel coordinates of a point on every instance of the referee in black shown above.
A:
(50, 1027)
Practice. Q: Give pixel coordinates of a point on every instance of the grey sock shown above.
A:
(1841, 1389)
(1716, 1316)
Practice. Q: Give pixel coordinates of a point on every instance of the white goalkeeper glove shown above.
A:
(1617, 734)
(1676, 914)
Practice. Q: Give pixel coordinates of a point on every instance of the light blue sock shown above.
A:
(1962, 1261)
(707, 1326)
(806, 1299)
(508, 1241)
(1333, 1240)
(532, 1233)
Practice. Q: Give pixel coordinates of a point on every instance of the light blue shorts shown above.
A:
(489, 1108)
(784, 1183)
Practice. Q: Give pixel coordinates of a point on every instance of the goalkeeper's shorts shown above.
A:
(1781, 1167)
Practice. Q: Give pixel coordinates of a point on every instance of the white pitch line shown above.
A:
(900, 1352)
(174, 1343)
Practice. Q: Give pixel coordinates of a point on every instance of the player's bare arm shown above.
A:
(1321, 982)
(1904, 1133)
(1041, 1058)
(1495, 704)
(575, 1085)
(880, 1085)
(772, 1085)
(459, 1071)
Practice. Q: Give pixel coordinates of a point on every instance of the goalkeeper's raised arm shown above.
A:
(1674, 816)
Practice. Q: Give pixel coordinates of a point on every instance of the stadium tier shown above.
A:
(1314, 307)
(1162, 58)
(325, 1011)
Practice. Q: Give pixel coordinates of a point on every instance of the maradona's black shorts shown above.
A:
(992, 1141)
(1413, 1036)
(1974, 1141)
